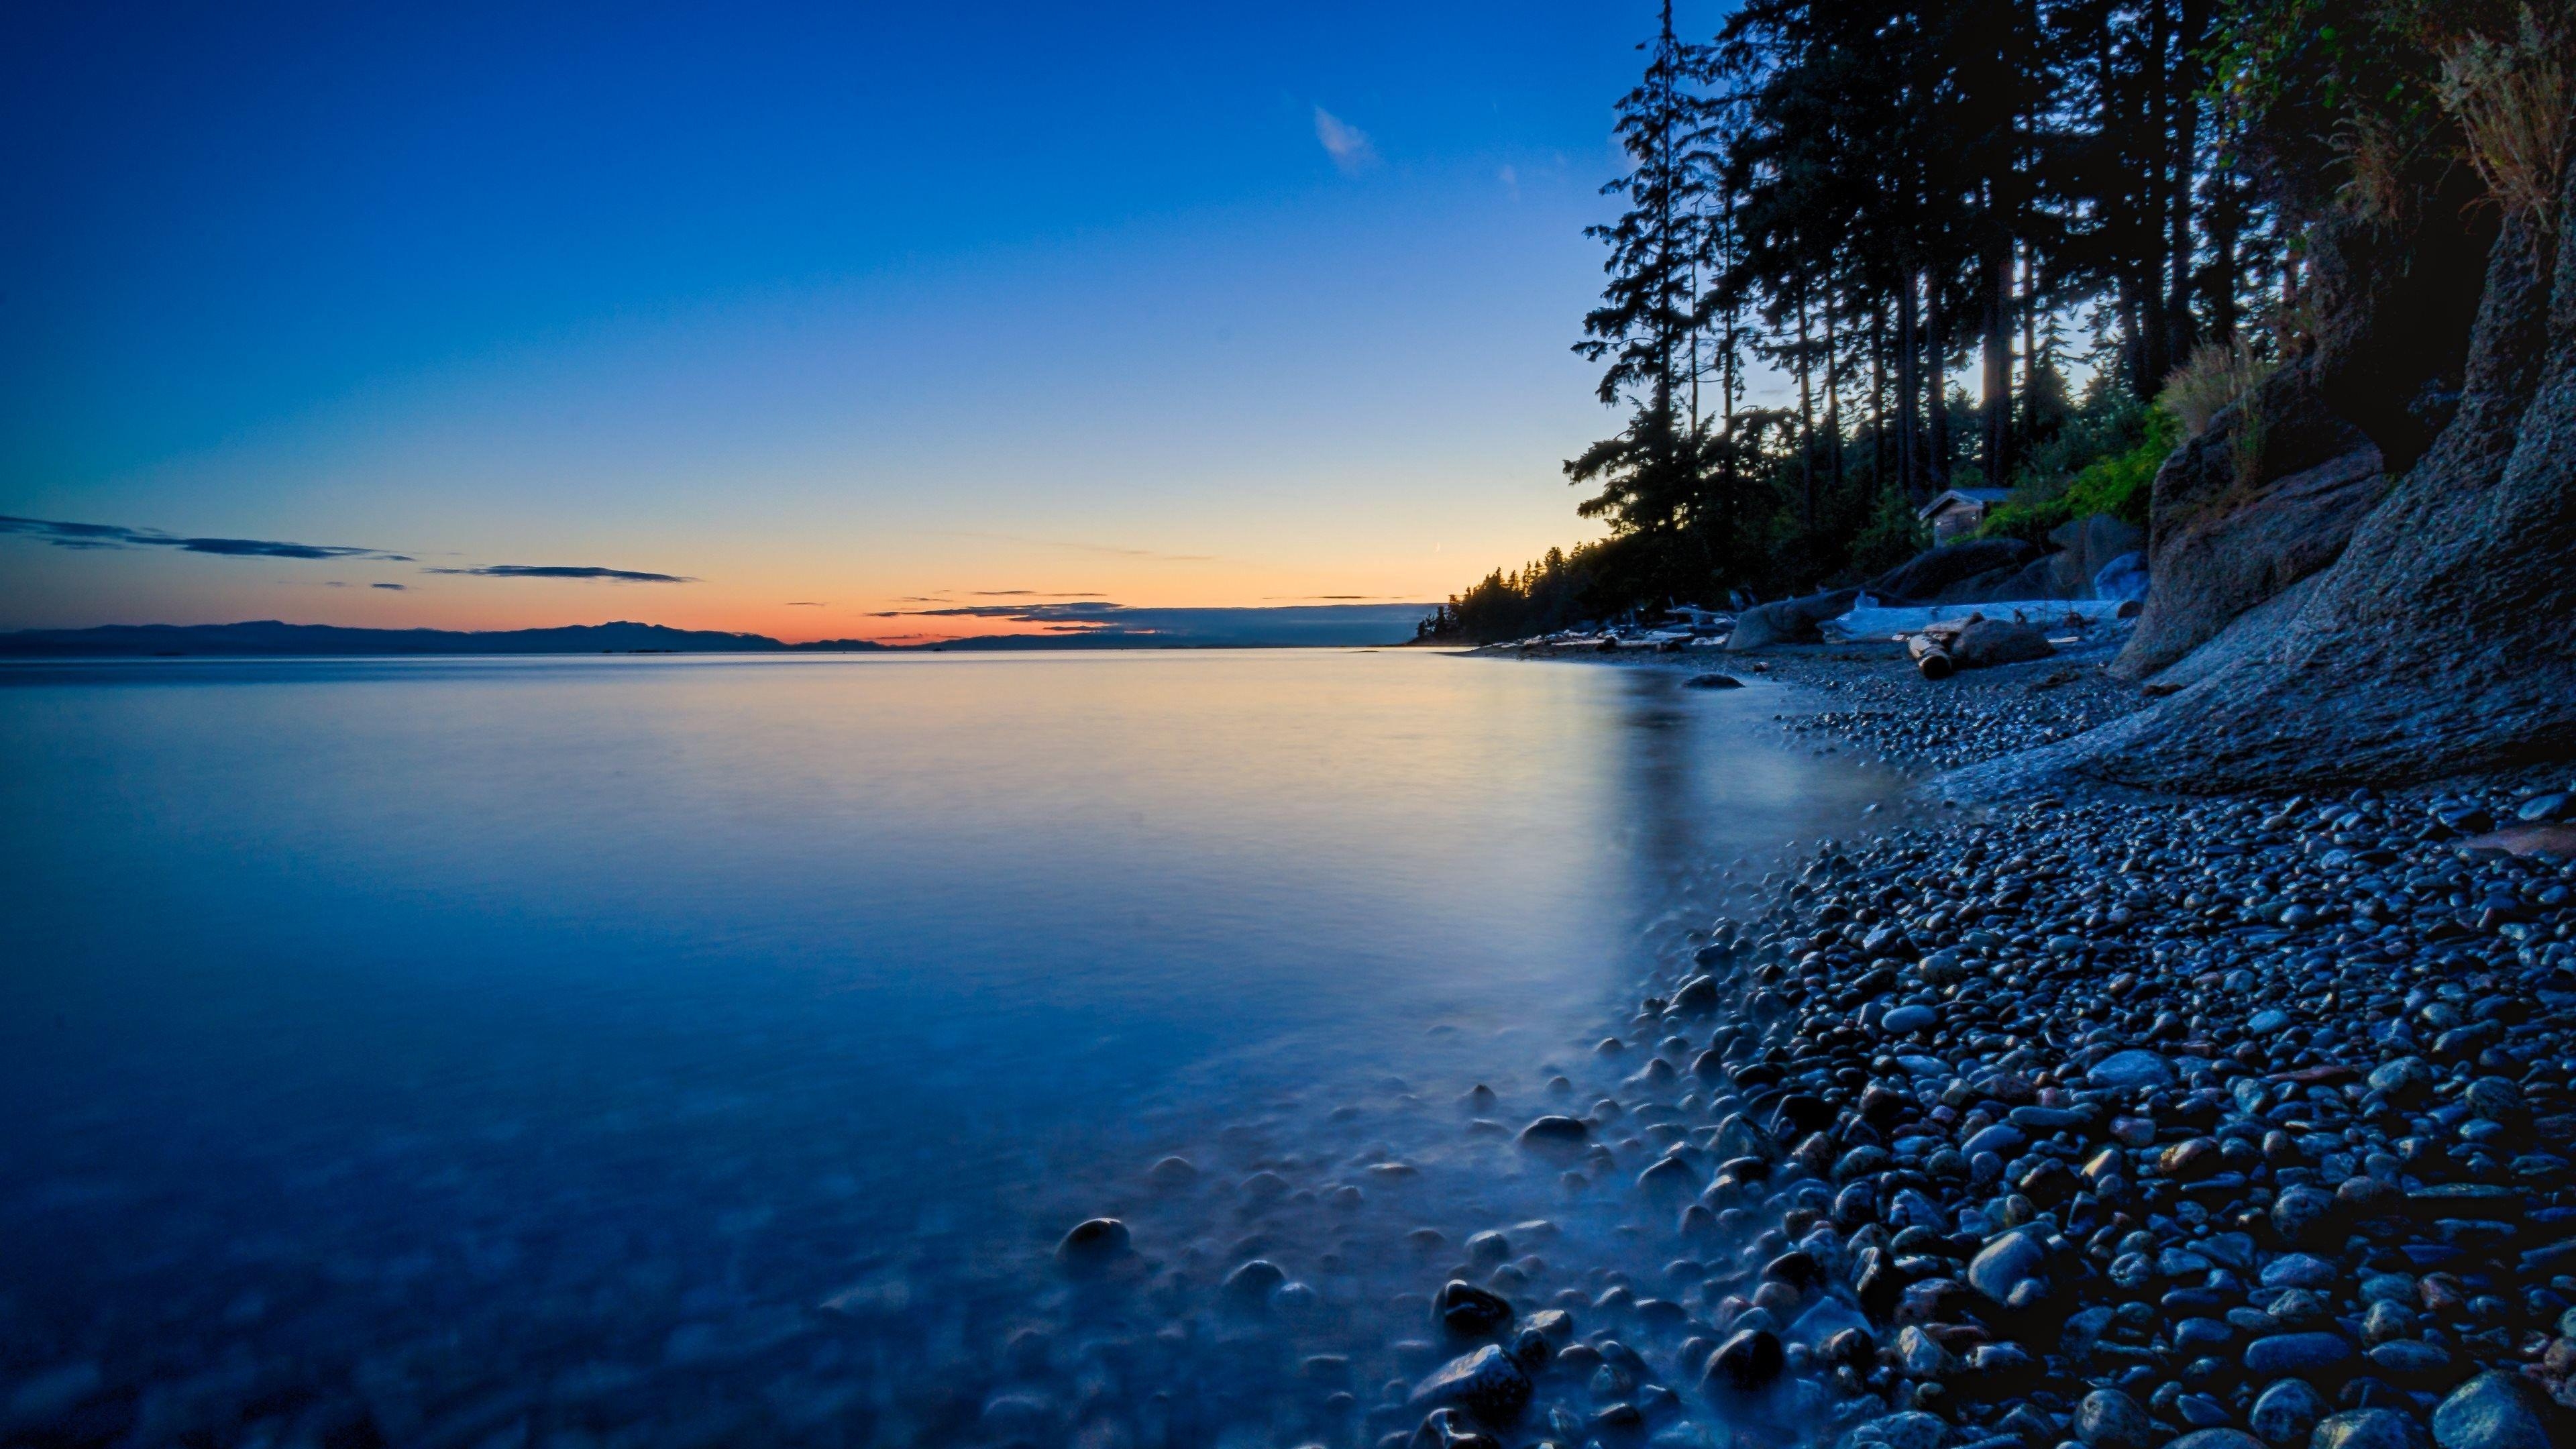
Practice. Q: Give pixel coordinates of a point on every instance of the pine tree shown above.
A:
(1655, 475)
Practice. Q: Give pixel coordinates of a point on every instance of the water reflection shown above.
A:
(632, 1050)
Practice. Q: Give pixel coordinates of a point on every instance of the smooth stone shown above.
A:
(1467, 1310)
(1906, 1020)
(2012, 1270)
(2299, 1270)
(1747, 1362)
(1093, 1244)
(2216, 1439)
(2131, 1069)
(1555, 1131)
(2367, 1429)
(2491, 1411)
(1912, 1429)
(2110, 1419)
(2284, 1413)
(1253, 1282)
(2296, 1353)
(2409, 1360)
(1486, 1383)
(2002, 1139)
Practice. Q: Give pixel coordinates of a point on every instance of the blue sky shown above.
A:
(832, 311)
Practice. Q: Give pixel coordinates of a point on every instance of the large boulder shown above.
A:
(1790, 621)
(1989, 642)
(1932, 577)
(2085, 547)
(2222, 544)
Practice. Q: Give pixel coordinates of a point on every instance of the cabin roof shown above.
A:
(1983, 497)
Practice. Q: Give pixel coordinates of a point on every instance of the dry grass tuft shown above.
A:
(2511, 98)
(2377, 161)
(2212, 377)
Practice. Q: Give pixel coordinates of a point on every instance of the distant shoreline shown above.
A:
(271, 639)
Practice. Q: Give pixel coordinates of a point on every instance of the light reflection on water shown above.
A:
(405, 1037)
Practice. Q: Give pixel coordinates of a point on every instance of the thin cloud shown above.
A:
(803, 604)
(1076, 545)
(1033, 594)
(1348, 145)
(566, 571)
(112, 535)
(395, 588)
(1023, 613)
(1100, 622)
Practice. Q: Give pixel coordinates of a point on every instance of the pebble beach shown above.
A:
(2082, 1118)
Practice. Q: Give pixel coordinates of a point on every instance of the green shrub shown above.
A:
(2120, 484)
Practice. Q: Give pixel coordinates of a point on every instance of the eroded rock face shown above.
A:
(2440, 639)
(1937, 575)
(2219, 554)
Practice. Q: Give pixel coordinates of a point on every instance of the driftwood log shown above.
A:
(1931, 655)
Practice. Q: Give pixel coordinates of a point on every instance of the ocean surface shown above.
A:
(712, 1050)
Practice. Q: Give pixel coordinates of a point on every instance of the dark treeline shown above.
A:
(1882, 201)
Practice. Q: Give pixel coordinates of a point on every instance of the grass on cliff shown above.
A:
(2512, 98)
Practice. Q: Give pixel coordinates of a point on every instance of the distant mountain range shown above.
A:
(267, 636)
(1169, 628)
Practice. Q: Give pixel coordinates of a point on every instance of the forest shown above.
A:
(1924, 221)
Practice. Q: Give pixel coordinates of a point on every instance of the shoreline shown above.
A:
(2222, 1122)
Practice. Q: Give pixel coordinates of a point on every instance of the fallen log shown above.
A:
(1929, 656)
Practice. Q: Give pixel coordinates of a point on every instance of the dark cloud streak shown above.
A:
(110, 535)
(565, 571)
(1103, 623)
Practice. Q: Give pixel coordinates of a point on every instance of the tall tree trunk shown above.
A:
(2029, 303)
(1936, 402)
(1878, 398)
(1995, 280)
(2154, 257)
(2226, 223)
(1806, 427)
(2182, 330)
(1909, 390)
(1833, 389)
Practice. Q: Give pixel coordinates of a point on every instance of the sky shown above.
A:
(820, 321)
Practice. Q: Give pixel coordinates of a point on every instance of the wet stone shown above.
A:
(1487, 1383)
(1093, 1246)
(2285, 1412)
(1748, 1361)
(1468, 1311)
(2297, 1353)
(2368, 1429)
(2493, 1411)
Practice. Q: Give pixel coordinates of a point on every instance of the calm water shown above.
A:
(512, 1051)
